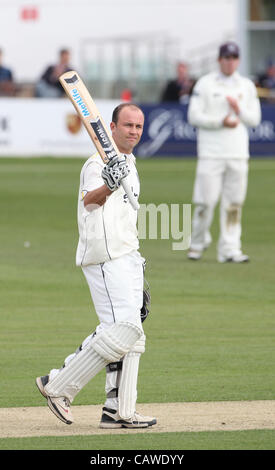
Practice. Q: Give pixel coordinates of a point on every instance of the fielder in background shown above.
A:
(114, 269)
(222, 106)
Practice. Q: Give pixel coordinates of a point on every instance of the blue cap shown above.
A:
(229, 49)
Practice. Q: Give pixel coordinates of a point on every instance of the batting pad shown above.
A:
(127, 392)
(107, 346)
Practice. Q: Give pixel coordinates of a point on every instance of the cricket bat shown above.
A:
(94, 124)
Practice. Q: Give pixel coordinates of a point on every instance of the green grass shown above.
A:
(210, 334)
(240, 440)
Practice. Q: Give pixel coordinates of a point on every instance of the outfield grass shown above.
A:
(221, 440)
(210, 335)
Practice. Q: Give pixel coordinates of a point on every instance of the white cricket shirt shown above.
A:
(208, 107)
(108, 231)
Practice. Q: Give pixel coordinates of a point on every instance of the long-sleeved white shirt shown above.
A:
(108, 231)
(208, 107)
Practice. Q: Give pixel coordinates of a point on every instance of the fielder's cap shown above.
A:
(229, 49)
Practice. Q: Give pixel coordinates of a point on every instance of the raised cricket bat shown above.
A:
(92, 120)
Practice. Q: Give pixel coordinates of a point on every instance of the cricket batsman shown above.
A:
(108, 253)
(223, 105)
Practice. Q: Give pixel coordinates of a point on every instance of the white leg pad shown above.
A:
(127, 392)
(112, 343)
(108, 346)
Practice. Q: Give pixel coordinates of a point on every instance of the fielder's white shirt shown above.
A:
(108, 231)
(208, 107)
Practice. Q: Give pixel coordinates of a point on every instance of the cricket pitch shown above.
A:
(171, 417)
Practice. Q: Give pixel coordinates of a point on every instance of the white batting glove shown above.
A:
(115, 170)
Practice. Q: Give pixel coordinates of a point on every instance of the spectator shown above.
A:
(7, 87)
(49, 85)
(266, 82)
(180, 88)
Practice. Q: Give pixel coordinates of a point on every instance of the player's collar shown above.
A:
(130, 156)
(228, 78)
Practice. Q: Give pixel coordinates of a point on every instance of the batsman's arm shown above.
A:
(97, 197)
(113, 174)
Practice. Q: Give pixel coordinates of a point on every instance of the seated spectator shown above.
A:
(179, 89)
(49, 85)
(7, 87)
(266, 83)
(267, 80)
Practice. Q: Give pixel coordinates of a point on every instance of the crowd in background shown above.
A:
(178, 89)
(47, 85)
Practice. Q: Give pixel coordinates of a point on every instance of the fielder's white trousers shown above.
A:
(223, 180)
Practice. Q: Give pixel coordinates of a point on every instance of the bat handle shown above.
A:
(127, 188)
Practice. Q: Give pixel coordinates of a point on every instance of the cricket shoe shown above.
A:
(240, 258)
(41, 382)
(110, 419)
(194, 255)
(60, 406)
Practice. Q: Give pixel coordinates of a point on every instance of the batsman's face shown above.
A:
(128, 129)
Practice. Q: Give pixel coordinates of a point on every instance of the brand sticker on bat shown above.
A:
(103, 138)
(79, 101)
(73, 79)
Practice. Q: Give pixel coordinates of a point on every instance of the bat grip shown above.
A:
(129, 192)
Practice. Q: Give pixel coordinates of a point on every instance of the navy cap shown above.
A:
(229, 49)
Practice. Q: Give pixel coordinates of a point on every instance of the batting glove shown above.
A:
(145, 309)
(115, 170)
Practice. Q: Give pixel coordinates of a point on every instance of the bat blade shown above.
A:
(93, 122)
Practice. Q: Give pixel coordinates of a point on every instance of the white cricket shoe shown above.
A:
(60, 406)
(110, 419)
(194, 255)
(240, 258)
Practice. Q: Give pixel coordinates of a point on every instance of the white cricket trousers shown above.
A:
(116, 287)
(224, 180)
